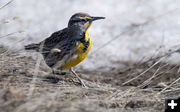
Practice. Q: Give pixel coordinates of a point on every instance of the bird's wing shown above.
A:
(61, 53)
(59, 47)
(55, 38)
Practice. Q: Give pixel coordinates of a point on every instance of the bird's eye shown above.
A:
(86, 18)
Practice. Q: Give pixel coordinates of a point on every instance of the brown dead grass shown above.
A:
(108, 91)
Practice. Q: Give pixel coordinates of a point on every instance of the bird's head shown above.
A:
(82, 20)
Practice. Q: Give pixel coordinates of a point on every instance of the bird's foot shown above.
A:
(80, 80)
(57, 72)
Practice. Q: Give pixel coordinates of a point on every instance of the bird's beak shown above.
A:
(95, 18)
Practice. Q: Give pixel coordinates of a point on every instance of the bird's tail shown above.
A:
(34, 47)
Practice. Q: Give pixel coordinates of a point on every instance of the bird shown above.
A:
(66, 48)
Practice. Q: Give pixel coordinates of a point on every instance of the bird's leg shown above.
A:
(80, 80)
(54, 74)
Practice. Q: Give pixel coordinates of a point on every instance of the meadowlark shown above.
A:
(66, 48)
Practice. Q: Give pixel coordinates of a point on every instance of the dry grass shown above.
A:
(139, 87)
(6, 4)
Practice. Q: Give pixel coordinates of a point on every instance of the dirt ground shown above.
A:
(138, 87)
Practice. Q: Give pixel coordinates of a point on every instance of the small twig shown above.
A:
(178, 70)
(11, 34)
(6, 4)
(147, 82)
(36, 70)
(172, 90)
(169, 86)
(144, 71)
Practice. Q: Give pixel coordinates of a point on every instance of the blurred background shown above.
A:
(132, 30)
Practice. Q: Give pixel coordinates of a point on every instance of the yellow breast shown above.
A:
(79, 56)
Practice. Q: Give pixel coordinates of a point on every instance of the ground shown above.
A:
(138, 87)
